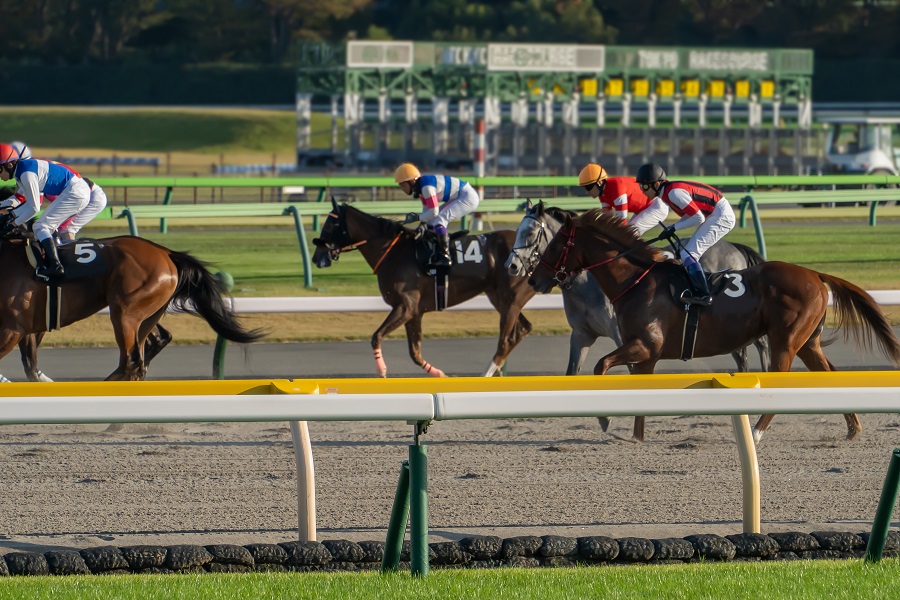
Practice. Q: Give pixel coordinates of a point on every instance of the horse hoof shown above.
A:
(852, 435)
(604, 423)
(757, 435)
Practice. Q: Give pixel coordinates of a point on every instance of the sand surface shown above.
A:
(82, 485)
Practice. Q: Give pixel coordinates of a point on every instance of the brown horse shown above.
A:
(783, 301)
(390, 250)
(136, 278)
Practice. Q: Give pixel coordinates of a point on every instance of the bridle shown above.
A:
(534, 255)
(564, 277)
(335, 247)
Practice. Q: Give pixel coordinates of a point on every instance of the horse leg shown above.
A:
(131, 350)
(158, 339)
(781, 363)
(399, 315)
(580, 343)
(762, 346)
(633, 351)
(812, 356)
(414, 339)
(513, 329)
(741, 359)
(8, 340)
(28, 347)
(644, 368)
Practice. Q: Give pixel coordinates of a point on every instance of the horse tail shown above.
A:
(207, 299)
(752, 256)
(859, 313)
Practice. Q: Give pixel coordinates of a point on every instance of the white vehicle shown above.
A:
(861, 145)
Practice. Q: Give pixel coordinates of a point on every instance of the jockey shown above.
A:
(458, 198)
(696, 204)
(68, 190)
(71, 226)
(622, 195)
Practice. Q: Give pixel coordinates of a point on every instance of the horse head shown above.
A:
(559, 264)
(333, 239)
(538, 226)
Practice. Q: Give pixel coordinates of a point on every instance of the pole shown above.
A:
(306, 482)
(885, 509)
(418, 509)
(480, 144)
(393, 545)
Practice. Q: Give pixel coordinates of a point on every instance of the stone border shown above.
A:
(469, 552)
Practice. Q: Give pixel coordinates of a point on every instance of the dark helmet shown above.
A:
(650, 173)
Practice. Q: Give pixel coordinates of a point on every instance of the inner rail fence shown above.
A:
(423, 402)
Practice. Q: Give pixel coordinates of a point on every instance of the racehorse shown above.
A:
(783, 301)
(136, 278)
(588, 311)
(390, 250)
(158, 339)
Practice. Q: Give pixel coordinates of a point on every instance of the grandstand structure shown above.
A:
(550, 108)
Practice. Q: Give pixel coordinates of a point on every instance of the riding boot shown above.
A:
(699, 287)
(52, 268)
(442, 251)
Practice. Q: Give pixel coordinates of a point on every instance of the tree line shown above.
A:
(179, 32)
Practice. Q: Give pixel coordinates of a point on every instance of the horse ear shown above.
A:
(569, 221)
(540, 207)
(528, 205)
(334, 204)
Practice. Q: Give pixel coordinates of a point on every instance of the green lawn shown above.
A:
(798, 580)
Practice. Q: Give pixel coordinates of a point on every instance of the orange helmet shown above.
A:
(406, 172)
(8, 154)
(591, 174)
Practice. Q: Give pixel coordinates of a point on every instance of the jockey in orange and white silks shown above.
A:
(444, 199)
(68, 190)
(622, 195)
(698, 205)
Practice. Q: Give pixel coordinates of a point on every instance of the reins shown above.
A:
(564, 277)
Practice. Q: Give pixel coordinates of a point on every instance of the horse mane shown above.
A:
(560, 214)
(611, 227)
(383, 226)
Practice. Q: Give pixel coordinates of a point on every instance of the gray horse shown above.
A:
(589, 312)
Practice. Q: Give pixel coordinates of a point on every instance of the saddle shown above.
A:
(717, 282)
(426, 250)
(82, 258)
(426, 247)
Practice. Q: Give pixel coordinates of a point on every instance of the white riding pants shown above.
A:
(73, 199)
(465, 203)
(719, 222)
(650, 217)
(94, 206)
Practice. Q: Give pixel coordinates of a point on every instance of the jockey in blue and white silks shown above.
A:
(64, 186)
(444, 199)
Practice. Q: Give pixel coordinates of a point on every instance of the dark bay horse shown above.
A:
(138, 282)
(390, 250)
(783, 301)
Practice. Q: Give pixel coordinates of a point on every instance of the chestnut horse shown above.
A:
(390, 250)
(786, 302)
(139, 282)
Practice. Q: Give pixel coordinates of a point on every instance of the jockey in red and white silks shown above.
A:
(623, 195)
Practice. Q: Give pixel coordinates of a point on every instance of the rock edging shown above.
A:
(469, 552)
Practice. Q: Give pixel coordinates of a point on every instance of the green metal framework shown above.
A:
(462, 70)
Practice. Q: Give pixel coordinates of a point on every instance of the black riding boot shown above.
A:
(51, 268)
(442, 251)
(699, 287)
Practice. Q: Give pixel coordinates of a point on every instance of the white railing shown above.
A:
(418, 400)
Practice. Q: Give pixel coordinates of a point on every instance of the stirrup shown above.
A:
(688, 297)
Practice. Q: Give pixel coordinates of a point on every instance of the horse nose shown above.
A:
(512, 269)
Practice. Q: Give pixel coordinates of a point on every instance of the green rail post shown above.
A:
(393, 545)
(221, 343)
(167, 199)
(304, 249)
(132, 222)
(319, 198)
(418, 509)
(872, 206)
(885, 509)
(757, 224)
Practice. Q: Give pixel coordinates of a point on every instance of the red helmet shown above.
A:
(8, 154)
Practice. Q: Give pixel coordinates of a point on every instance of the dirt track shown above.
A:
(81, 486)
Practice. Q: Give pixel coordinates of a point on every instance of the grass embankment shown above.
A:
(784, 580)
